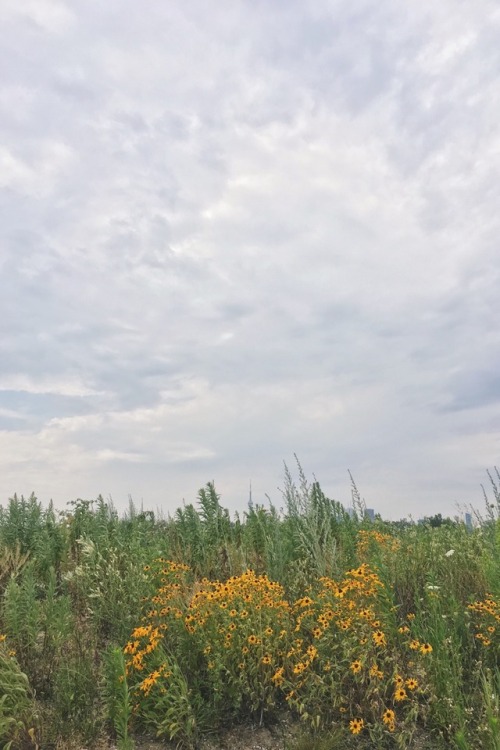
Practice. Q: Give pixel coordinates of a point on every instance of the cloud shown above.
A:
(228, 236)
(49, 16)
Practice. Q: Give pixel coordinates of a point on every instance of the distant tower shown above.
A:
(468, 521)
(369, 514)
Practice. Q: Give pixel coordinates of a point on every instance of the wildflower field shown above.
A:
(365, 634)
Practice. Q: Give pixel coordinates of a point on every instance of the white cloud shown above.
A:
(50, 16)
(44, 385)
(221, 248)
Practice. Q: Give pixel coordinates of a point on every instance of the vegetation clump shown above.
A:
(366, 633)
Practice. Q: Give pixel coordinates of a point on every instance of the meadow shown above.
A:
(365, 634)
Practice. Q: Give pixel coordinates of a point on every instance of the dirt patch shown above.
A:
(283, 735)
(249, 737)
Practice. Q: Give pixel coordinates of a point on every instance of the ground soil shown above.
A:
(283, 735)
(250, 737)
(241, 738)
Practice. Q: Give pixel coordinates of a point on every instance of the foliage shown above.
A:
(117, 696)
(16, 705)
(368, 633)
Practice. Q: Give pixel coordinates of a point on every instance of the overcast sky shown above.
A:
(235, 231)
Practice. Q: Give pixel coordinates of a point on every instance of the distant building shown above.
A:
(368, 513)
(468, 520)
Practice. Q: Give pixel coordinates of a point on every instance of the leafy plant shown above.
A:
(16, 706)
(117, 696)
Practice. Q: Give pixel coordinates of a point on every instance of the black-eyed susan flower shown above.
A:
(356, 725)
(130, 648)
(355, 667)
(379, 638)
(400, 694)
(388, 717)
(426, 648)
(304, 602)
(277, 677)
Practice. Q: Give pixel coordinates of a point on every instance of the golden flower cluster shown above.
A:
(368, 539)
(487, 620)
(330, 646)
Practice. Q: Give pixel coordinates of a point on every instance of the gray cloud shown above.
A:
(228, 236)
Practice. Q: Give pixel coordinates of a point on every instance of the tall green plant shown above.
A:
(107, 586)
(313, 522)
(21, 522)
(16, 705)
(117, 696)
(21, 613)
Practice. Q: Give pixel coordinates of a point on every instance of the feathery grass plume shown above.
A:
(108, 584)
(312, 524)
(12, 561)
(493, 508)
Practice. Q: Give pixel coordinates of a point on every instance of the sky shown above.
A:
(236, 232)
